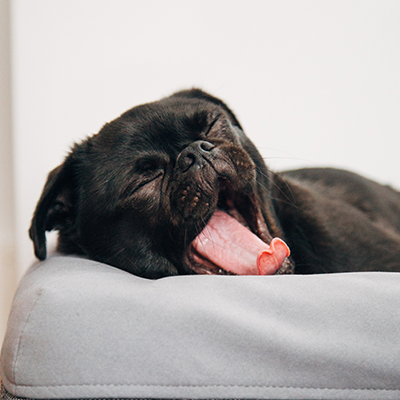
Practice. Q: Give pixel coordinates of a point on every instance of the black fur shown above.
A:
(136, 195)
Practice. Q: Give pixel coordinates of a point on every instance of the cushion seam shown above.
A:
(205, 386)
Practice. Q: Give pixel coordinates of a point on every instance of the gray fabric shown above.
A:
(6, 395)
(81, 329)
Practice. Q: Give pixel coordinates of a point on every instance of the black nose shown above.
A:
(194, 155)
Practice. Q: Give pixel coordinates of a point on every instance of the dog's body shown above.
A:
(158, 187)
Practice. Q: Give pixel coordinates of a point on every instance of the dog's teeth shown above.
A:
(220, 271)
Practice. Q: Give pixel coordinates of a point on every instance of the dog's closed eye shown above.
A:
(146, 170)
(215, 120)
(148, 165)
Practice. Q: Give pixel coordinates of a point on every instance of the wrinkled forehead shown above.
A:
(167, 124)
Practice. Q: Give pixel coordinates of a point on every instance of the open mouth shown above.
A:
(236, 240)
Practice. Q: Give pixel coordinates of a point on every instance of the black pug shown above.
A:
(175, 187)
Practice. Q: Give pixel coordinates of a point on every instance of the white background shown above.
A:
(312, 82)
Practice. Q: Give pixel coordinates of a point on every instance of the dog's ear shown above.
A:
(55, 206)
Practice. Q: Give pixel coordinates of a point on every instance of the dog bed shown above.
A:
(79, 329)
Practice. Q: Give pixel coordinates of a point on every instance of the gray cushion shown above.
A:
(81, 329)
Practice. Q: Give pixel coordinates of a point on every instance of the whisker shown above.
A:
(284, 158)
(185, 238)
(290, 201)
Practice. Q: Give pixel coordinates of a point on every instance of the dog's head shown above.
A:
(153, 187)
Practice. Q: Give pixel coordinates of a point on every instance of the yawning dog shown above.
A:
(175, 187)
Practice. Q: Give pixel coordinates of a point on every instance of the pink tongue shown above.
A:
(228, 244)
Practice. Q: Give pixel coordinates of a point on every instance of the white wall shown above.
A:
(8, 274)
(313, 82)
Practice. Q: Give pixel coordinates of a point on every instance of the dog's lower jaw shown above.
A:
(201, 266)
(286, 269)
